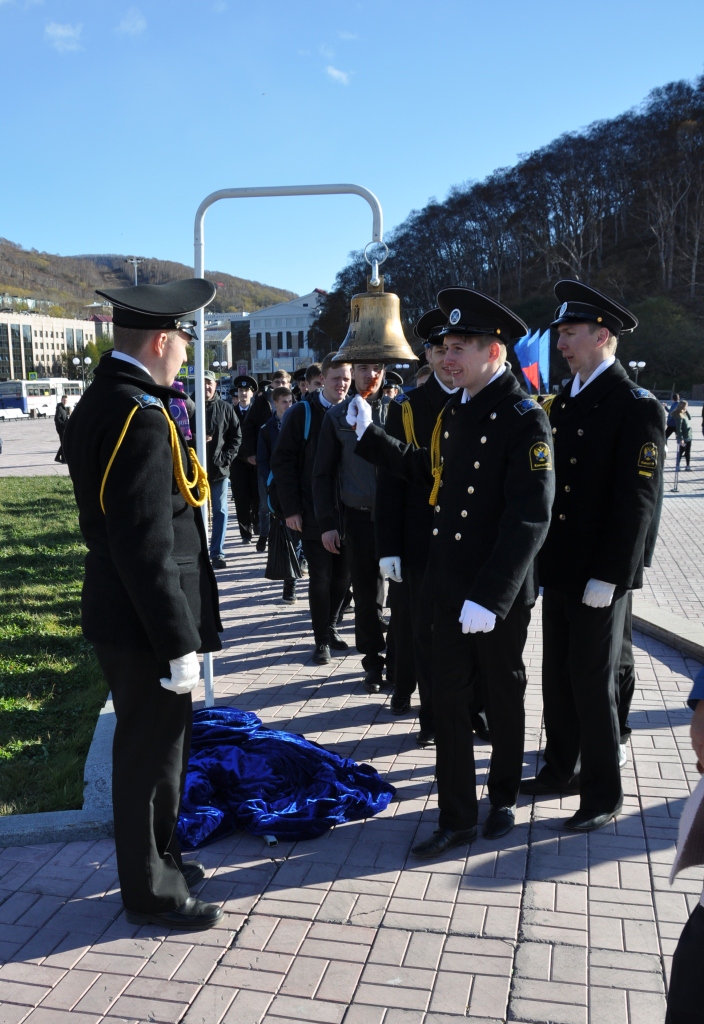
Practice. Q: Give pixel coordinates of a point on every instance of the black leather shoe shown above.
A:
(444, 839)
(193, 871)
(321, 655)
(246, 539)
(192, 916)
(218, 563)
(538, 787)
(585, 821)
(499, 821)
(261, 543)
(425, 738)
(399, 705)
(373, 680)
(337, 643)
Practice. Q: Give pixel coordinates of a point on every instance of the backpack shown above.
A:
(272, 497)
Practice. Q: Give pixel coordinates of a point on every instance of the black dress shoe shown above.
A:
(218, 563)
(444, 839)
(373, 680)
(192, 916)
(425, 738)
(540, 787)
(246, 539)
(337, 643)
(399, 705)
(586, 821)
(499, 821)
(261, 543)
(193, 871)
(321, 655)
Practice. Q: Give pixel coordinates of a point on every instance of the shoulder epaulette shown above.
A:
(641, 393)
(525, 405)
(145, 401)
(401, 398)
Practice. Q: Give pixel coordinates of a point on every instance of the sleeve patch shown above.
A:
(144, 401)
(648, 458)
(540, 457)
(525, 405)
(401, 399)
(641, 393)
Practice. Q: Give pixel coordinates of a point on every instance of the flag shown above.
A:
(544, 359)
(528, 352)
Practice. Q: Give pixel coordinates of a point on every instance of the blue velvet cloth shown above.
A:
(241, 775)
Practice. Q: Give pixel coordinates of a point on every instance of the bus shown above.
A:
(21, 398)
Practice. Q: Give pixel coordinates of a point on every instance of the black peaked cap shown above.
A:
(471, 312)
(584, 304)
(245, 382)
(429, 326)
(158, 306)
(392, 380)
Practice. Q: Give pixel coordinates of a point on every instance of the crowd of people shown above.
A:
(464, 492)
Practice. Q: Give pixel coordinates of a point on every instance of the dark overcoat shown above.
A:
(148, 581)
(293, 460)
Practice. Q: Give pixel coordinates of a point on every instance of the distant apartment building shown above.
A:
(34, 343)
(279, 334)
(22, 300)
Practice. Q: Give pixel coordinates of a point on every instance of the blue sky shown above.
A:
(118, 118)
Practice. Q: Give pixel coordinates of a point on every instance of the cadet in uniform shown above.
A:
(490, 467)
(243, 475)
(404, 521)
(150, 600)
(609, 437)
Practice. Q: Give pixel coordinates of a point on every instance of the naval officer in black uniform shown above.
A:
(490, 467)
(150, 600)
(404, 522)
(609, 438)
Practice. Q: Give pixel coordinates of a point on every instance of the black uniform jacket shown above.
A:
(61, 417)
(404, 517)
(292, 463)
(222, 426)
(260, 410)
(148, 581)
(609, 442)
(493, 508)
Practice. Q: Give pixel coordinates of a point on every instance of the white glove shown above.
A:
(598, 594)
(391, 567)
(185, 673)
(476, 619)
(359, 415)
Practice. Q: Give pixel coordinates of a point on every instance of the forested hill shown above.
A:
(619, 205)
(70, 281)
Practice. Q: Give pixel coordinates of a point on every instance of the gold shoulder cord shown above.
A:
(408, 425)
(185, 486)
(547, 404)
(435, 463)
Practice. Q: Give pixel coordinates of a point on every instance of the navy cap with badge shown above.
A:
(583, 304)
(392, 380)
(471, 313)
(160, 307)
(245, 382)
(429, 327)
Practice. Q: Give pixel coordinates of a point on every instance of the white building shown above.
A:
(279, 334)
(32, 342)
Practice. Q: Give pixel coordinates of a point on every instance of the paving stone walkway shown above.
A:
(350, 929)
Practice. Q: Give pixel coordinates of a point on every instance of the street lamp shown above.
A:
(135, 261)
(86, 362)
(637, 367)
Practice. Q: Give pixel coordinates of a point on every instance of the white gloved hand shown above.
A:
(391, 567)
(598, 594)
(359, 415)
(476, 619)
(185, 673)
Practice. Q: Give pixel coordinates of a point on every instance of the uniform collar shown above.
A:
(577, 385)
(489, 396)
(466, 397)
(123, 370)
(603, 383)
(130, 359)
(449, 391)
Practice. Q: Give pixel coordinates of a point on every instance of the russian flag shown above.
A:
(528, 352)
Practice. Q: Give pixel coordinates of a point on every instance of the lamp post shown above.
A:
(637, 367)
(135, 261)
(86, 362)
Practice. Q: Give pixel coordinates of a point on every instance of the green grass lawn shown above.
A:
(51, 688)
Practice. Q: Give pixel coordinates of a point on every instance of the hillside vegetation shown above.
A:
(70, 281)
(619, 205)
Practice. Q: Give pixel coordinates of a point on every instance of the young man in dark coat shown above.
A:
(243, 474)
(60, 420)
(266, 445)
(292, 464)
(490, 470)
(261, 410)
(609, 438)
(150, 601)
(404, 521)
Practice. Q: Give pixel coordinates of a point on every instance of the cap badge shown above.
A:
(455, 317)
(563, 309)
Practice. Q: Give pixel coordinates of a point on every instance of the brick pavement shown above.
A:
(348, 929)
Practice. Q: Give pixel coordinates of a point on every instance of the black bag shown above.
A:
(281, 562)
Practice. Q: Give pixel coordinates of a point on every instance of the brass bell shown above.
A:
(375, 333)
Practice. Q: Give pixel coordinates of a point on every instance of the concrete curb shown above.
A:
(685, 635)
(94, 821)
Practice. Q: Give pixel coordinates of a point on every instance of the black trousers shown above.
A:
(245, 491)
(626, 671)
(412, 641)
(497, 657)
(328, 580)
(685, 999)
(581, 655)
(367, 586)
(149, 759)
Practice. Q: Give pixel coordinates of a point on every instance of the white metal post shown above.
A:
(199, 271)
